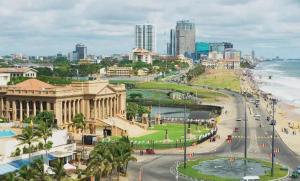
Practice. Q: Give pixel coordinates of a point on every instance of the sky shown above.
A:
(46, 27)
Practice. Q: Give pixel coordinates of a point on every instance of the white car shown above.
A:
(250, 178)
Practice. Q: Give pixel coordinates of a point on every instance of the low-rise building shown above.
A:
(20, 72)
(97, 100)
(142, 72)
(215, 56)
(119, 71)
(139, 54)
(4, 78)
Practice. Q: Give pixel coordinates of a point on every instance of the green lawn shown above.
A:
(149, 94)
(175, 132)
(219, 79)
(122, 81)
(202, 93)
(189, 171)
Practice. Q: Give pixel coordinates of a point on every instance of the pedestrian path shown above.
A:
(254, 137)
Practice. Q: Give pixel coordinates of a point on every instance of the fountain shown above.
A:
(231, 168)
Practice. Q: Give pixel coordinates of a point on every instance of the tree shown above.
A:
(100, 162)
(44, 131)
(131, 110)
(122, 154)
(58, 169)
(27, 137)
(45, 117)
(80, 123)
(136, 95)
(143, 110)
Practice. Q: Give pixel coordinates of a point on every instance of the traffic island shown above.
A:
(230, 169)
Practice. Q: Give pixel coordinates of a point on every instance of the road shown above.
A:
(159, 167)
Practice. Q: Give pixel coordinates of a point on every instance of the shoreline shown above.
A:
(286, 114)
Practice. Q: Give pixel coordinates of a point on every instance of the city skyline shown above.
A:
(270, 28)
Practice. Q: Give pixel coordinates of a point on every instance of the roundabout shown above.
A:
(229, 169)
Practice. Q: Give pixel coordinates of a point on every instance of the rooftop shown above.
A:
(33, 84)
(16, 70)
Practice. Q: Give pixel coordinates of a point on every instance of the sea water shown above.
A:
(281, 79)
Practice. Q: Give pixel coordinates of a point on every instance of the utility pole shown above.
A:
(184, 156)
(245, 151)
(273, 135)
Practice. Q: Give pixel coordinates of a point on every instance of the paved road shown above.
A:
(258, 145)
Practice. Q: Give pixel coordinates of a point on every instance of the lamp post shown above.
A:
(245, 148)
(274, 101)
(184, 156)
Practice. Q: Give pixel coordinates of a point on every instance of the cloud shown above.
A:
(107, 26)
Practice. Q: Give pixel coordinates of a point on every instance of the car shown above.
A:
(250, 178)
(252, 101)
(257, 115)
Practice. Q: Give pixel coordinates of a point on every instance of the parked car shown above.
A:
(250, 178)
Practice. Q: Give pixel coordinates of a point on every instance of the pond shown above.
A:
(177, 112)
(231, 168)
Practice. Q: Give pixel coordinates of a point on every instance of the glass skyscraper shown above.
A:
(145, 37)
(185, 38)
(201, 49)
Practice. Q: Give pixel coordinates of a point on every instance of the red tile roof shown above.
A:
(33, 84)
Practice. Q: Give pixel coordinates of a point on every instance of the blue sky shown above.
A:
(35, 27)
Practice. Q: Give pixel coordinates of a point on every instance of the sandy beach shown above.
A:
(287, 116)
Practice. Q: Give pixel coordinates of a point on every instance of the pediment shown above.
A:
(106, 90)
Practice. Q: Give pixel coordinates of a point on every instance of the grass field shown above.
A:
(202, 93)
(219, 79)
(175, 132)
(189, 171)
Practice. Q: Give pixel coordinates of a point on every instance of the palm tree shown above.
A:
(100, 162)
(44, 131)
(58, 169)
(28, 136)
(80, 123)
(11, 176)
(123, 154)
(33, 173)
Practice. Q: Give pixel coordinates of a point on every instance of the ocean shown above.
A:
(285, 79)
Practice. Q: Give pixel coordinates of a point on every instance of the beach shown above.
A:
(287, 114)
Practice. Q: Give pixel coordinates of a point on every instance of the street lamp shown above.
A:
(274, 101)
(245, 148)
(184, 156)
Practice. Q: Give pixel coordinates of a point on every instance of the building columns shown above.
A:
(34, 108)
(78, 106)
(99, 108)
(73, 108)
(27, 108)
(48, 106)
(65, 112)
(14, 110)
(102, 108)
(69, 112)
(41, 106)
(95, 109)
(21, 111)
(1, 107)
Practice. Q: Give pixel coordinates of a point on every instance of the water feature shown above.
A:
(178, 112)
(7, 133)
(235, 169)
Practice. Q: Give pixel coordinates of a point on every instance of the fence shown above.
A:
(150, 144)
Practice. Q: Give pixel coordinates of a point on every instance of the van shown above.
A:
(250, 178)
